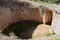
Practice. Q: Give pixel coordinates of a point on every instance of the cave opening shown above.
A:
(22, 29)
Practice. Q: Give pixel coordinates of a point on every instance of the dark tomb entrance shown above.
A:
(22, 29)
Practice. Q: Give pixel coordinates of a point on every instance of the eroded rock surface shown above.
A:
(14, 11)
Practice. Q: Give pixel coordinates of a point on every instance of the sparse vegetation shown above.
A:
(57, 38)
(48, 34)
(46, 1)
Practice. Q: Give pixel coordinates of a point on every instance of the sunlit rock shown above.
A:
(42, 31)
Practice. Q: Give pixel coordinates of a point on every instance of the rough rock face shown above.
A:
(14, 11)
(42, 30)
(56, 22)
(48, 16)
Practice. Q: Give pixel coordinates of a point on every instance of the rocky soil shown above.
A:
(4, 37)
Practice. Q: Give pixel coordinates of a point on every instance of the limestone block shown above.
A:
(56, 22)
(42, 30)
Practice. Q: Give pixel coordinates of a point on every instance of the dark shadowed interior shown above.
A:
(22, 29)
(49, 23)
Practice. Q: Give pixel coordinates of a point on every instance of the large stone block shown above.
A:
(56, 22)
(42, 30)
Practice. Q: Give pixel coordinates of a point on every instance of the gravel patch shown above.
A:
(4, 37)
